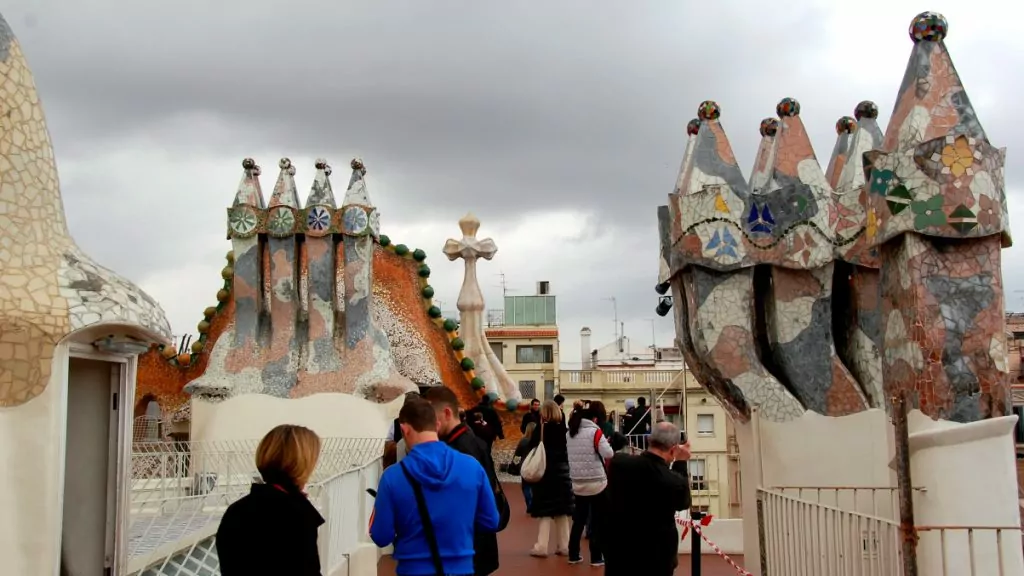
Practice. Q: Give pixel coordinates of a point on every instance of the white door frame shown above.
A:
(123, 383)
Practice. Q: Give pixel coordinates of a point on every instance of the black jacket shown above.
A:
(485, 544)
(490, 417)
(530, 416)
(552, 495)
(270, 532)
(515, 467)
(644, 497)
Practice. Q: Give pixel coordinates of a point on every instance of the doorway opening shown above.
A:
(92, 445)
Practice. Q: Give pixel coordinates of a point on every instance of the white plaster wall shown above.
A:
(362, 561)
(816, 450)
(726, 534)
(251, 416)
(970, 474)
(812, 450)
(29, 495)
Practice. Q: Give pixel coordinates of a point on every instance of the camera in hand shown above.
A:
(682, 436)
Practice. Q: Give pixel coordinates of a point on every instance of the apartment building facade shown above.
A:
(619, 373)
(524, 337)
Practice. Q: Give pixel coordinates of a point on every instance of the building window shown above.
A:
(703, 509)
(536, 354)
(1018, 430)
(528, 388)
(549, 389)
(705, 424)
(697, 469)
(499, 350)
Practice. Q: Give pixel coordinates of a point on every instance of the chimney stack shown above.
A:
(585, 347)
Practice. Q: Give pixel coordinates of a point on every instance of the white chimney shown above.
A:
(585, 347)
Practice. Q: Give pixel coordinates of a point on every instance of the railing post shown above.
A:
(695, 517)
(761, 535)
(904, 484)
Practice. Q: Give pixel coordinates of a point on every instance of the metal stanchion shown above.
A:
(695, 554)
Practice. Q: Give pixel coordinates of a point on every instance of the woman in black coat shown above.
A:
(272, 531)
(552, 495)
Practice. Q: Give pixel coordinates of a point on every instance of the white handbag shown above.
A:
(535, 463)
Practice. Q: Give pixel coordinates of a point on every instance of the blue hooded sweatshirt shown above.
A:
(459, 499)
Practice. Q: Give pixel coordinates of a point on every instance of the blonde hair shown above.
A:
(529, 429)
(288, 452)
(550, 411)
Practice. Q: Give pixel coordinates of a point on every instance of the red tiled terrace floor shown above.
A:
(516, 540)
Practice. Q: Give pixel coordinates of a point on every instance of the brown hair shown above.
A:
(288, 453)
(550, 411)
(419, 414)
(442, 397)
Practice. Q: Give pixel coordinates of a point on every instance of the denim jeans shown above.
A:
(528, 496)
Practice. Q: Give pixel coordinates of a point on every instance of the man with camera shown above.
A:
(646, 491)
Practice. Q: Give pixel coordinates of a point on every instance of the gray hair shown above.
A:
(664, 436)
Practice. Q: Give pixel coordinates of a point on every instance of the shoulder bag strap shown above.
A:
(428, 526)
(598, 434)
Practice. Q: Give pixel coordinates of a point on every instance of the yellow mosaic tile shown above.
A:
(48, 287)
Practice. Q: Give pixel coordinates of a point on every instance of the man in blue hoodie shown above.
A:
(456, 492)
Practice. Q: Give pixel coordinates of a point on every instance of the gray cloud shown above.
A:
(511, 109)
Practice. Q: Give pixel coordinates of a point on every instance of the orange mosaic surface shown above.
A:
(161, 380)
(397, 276)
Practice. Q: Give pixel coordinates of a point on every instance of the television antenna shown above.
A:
(654, 334)
(504, 285)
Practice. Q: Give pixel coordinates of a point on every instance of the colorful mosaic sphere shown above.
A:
(866, 109)
(286, 165)
(788, 107)
(928, 27)
(709, 110)
(693, 127)
(769, 127)
(846, 125)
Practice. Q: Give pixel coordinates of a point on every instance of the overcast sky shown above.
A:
(561, 124)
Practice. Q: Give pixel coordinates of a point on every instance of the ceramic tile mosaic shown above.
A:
(896, 244)
(285, 342)
(937, 191)
(48, 286)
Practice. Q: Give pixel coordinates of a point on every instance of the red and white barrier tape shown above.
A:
(687, 523)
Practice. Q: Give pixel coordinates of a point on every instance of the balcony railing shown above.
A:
(804, 537)
(826, 530)
(179, 490)
(880, 501)
(618, 379)
(969, 550)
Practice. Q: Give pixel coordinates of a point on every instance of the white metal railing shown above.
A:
(969, 550)
(346, 508)
(803, 537)
(881, 501)
(181, 489)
